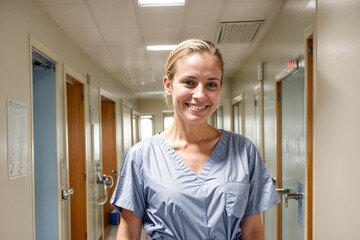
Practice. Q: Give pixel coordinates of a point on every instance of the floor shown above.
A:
(112, 229)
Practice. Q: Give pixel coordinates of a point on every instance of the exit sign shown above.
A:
(292, 65)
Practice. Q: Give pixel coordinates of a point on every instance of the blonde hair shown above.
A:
(189, 47)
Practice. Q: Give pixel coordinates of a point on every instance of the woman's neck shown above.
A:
(190, 133)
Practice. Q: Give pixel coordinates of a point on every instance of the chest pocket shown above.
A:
(236, 198)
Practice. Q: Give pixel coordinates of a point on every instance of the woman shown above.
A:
(193, 181)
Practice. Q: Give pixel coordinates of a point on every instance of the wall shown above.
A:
(285, 40)
(337, 117)
(18, 19)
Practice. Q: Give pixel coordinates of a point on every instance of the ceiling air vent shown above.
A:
(238, 32)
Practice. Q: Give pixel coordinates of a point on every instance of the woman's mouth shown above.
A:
(196, 107)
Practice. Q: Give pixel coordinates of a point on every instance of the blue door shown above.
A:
(45, 148)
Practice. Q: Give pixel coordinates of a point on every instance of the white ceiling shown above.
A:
(115, 33)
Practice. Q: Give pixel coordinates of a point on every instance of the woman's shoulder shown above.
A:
(237, 141)
(144, 144)
(232, 136)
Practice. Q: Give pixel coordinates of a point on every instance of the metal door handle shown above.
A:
(107, 182)
(282, 191)
(66, 193)
(296, 195)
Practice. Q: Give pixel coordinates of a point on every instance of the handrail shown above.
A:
(107, 182)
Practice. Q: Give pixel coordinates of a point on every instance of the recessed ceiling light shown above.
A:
(160, 47)
(160, 3)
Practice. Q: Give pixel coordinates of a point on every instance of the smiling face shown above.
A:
(195, 87)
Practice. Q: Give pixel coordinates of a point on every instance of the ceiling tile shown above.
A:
(114, 13)
(247, 11)
(131, 53)
(60, 2)
(197, 15)
(156, 36)
(157, 64)
(85, 37)
(162, 17)
(124, 37)
(206, 32)
(99, 53)
(110, 66)
(72, 16)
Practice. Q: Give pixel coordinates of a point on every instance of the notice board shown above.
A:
(17, 126)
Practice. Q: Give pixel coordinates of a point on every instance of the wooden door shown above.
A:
(108, 146)
(76, 158)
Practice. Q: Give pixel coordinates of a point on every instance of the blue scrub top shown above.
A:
(175, 203)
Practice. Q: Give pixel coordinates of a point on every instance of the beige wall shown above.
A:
(337, 118)
(18, 19)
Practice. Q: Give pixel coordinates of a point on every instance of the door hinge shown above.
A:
(85, 235)
(82, 96)
(278, 97)
(85, 177)
(113, 114)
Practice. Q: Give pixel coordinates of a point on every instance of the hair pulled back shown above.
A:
(189, 47)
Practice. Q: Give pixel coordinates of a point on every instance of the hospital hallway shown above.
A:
(82, 81)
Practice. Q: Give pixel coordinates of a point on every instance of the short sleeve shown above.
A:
(262, 192)
(129, 192)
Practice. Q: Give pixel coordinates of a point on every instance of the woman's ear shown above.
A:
(167, 85)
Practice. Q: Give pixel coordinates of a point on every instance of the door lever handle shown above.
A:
(66, 193)
(282, 191)
(298, 196)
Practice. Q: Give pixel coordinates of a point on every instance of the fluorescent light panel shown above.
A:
(160, 3)
(160, 47)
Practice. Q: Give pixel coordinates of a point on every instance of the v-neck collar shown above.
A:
(214, 157)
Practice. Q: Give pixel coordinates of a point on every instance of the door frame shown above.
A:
(258, 94)
(107, 95)
(125, 105)
(67, 70)
(36, 44)
(238, 102)
(119, 120)
(309, 116)
(309, 112)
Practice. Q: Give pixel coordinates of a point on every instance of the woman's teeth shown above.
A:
(196, 107)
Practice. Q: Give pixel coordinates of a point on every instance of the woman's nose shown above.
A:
(199, 92)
